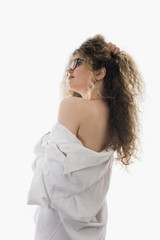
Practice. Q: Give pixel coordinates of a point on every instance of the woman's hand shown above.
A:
(113, 48)
(47, 133)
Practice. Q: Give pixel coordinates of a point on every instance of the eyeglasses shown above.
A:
(76, 62)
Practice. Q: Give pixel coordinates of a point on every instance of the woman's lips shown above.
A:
(71, 77)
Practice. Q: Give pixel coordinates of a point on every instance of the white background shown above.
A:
(36, 40)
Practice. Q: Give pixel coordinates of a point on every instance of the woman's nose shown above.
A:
(68, 71)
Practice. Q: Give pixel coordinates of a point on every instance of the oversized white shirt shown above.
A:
(69, 185)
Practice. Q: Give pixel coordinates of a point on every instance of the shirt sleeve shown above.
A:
(78, 194)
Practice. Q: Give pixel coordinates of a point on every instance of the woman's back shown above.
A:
(94, 124)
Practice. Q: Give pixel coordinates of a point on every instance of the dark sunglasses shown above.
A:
(76, 62)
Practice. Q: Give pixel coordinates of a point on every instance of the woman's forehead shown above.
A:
(76, 56)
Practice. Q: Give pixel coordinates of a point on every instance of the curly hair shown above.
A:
(122, 91)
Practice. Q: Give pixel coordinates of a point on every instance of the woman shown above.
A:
(106, 87)
(98, 116)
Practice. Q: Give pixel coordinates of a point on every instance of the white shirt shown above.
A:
(69, 185)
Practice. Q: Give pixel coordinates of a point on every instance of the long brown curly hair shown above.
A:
(123, 90)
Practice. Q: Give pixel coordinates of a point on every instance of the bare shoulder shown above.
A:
(72, 102)
(70, 110)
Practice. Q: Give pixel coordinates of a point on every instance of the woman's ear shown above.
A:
(100, 74)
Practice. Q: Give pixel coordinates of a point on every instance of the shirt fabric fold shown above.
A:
(69, 187)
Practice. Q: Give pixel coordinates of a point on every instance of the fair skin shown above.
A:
(79, 82)
(113, 48)
(87, 117)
